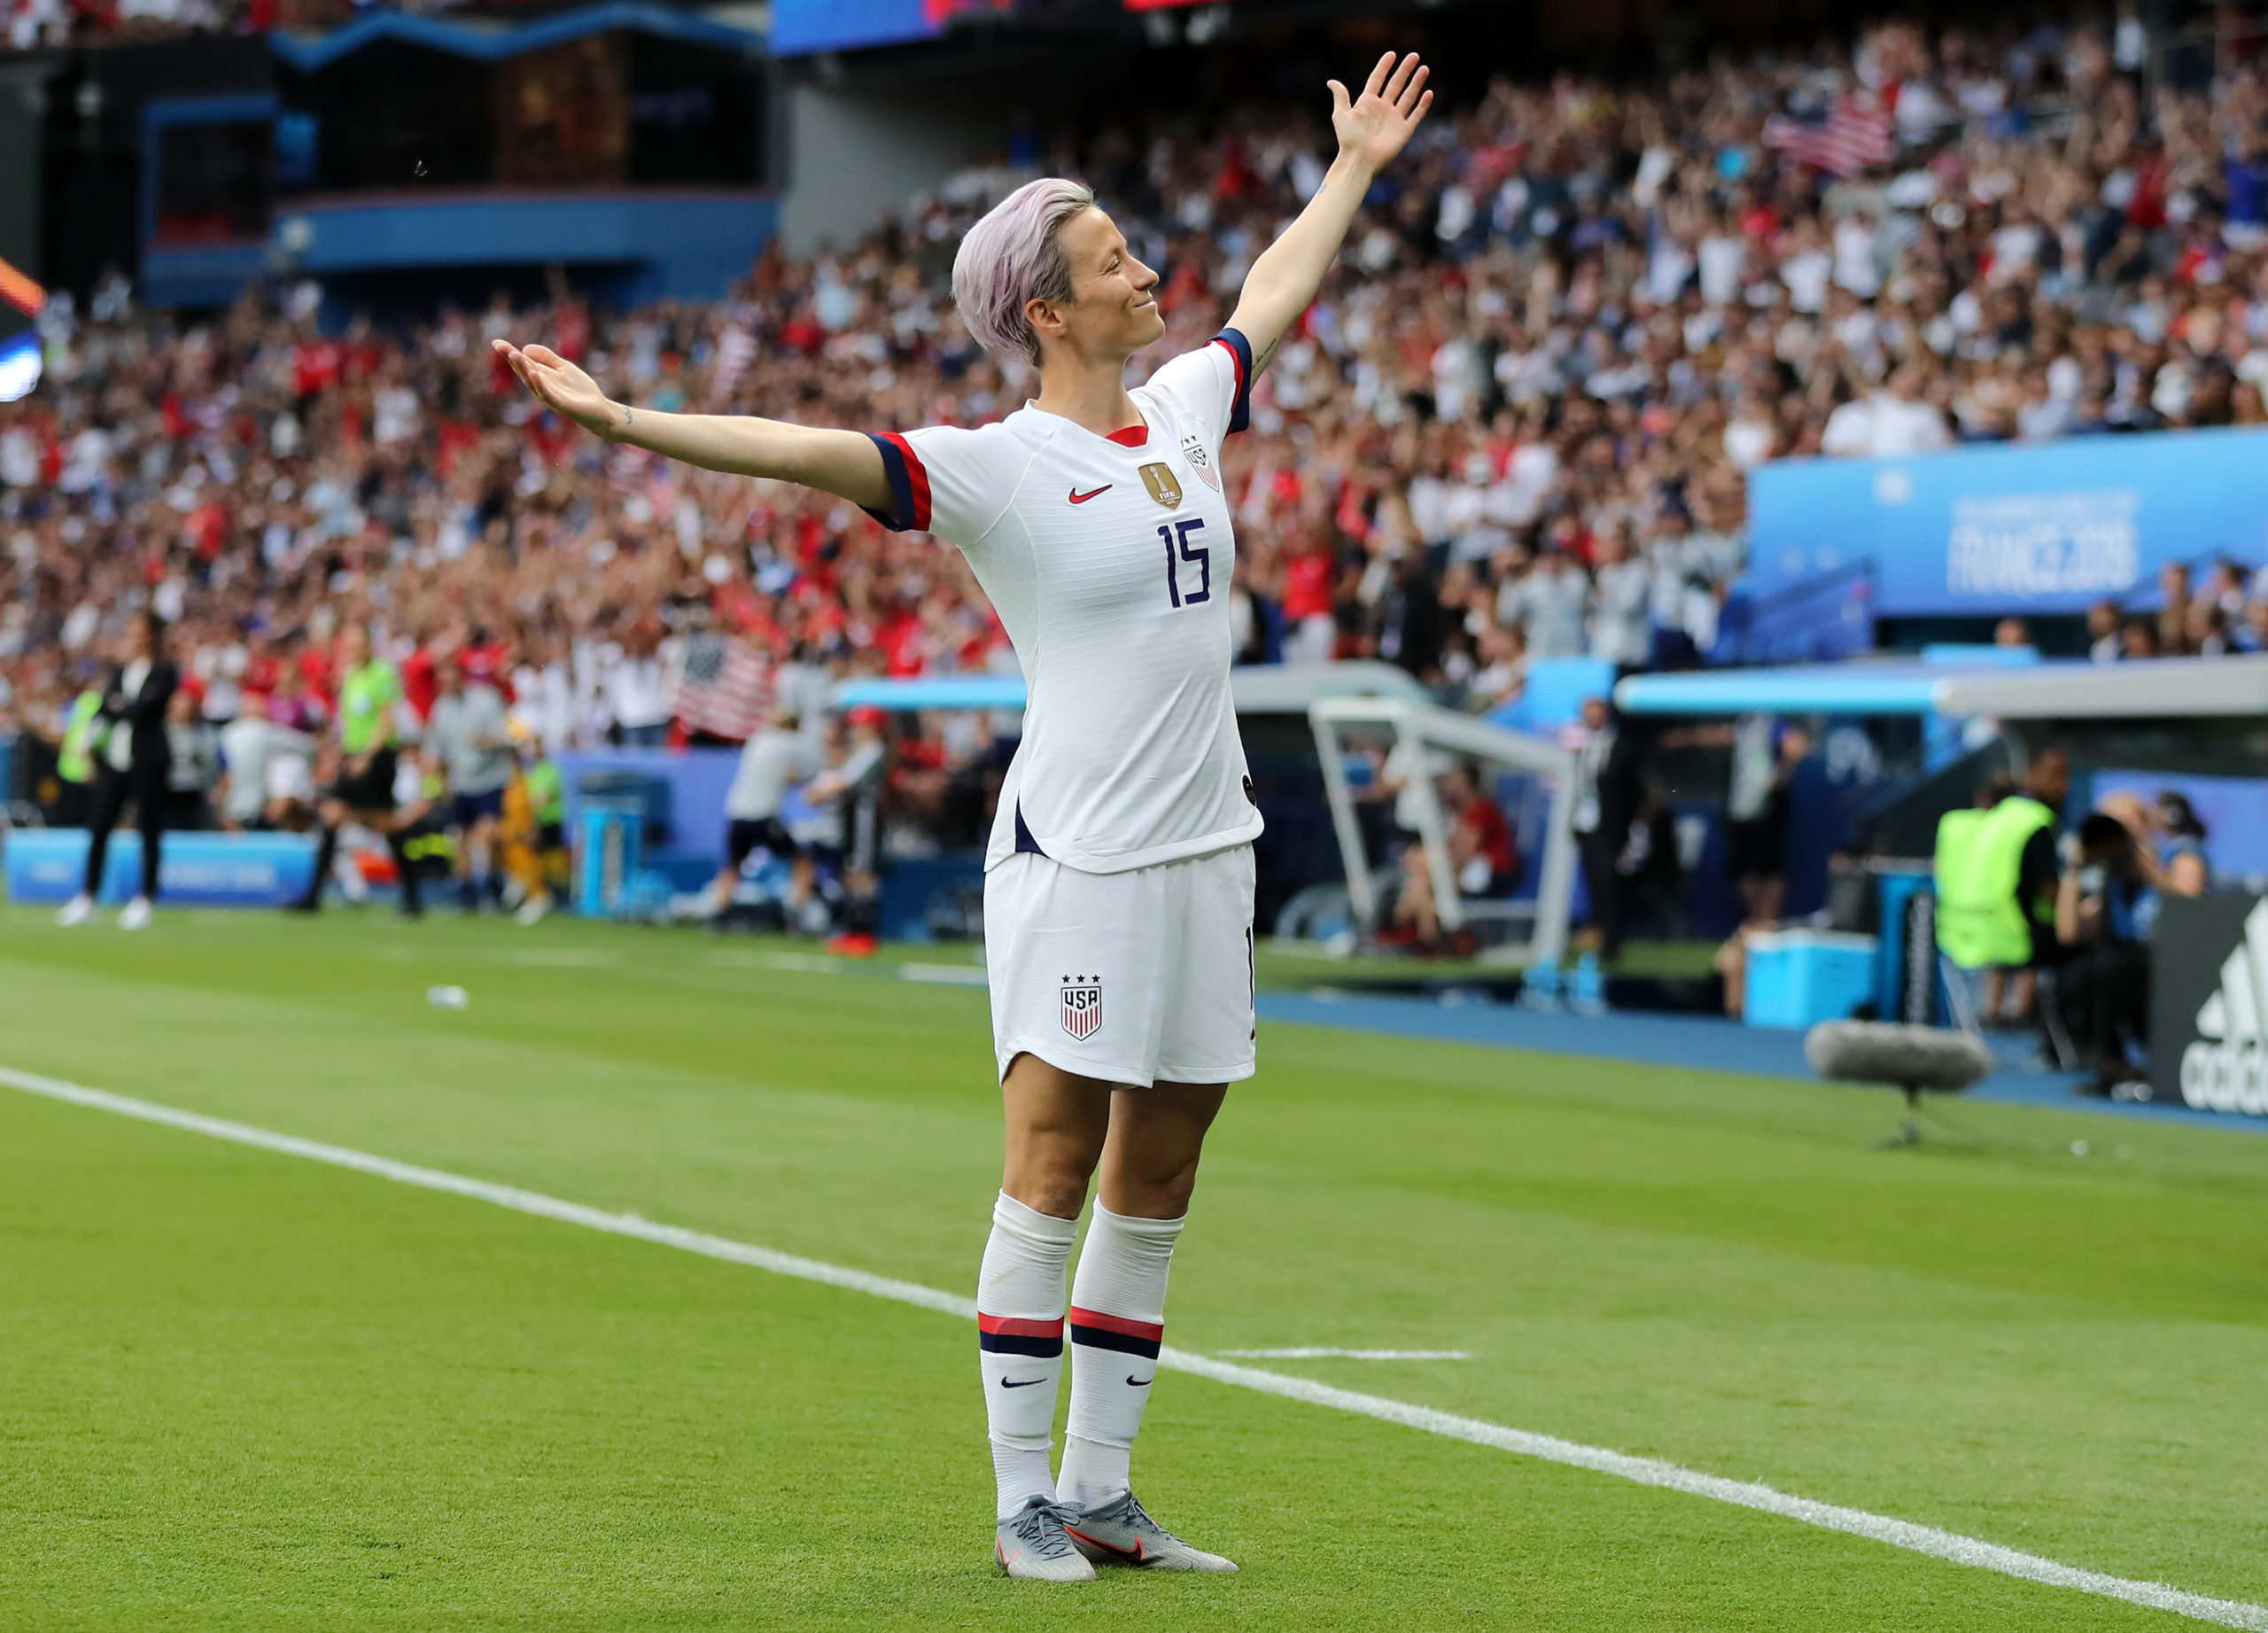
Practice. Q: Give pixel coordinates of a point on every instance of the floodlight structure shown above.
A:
(1422, 729)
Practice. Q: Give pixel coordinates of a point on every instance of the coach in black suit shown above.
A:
(135, 757)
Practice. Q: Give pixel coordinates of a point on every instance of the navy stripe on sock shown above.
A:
(1023, 1344)
(1103, 1338)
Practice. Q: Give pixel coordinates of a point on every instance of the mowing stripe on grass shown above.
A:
(1645, 1471)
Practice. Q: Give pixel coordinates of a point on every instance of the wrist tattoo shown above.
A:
(629, 416)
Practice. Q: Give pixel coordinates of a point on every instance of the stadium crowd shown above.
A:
(1514, 426)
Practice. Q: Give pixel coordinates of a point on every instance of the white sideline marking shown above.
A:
(1645, 1471)
(1311, 1352)
(944, 974)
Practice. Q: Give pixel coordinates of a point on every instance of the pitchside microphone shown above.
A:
(1912, 1058)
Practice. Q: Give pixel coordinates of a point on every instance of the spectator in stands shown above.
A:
(2106, 641)
(1550, 602)
(1894, 422)
(1622, 598)
(637, 692)
(2173, 631)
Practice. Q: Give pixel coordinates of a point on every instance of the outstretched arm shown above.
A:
(1372, 130)
(843, 462)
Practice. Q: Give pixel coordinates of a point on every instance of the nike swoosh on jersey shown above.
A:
(1078, 498)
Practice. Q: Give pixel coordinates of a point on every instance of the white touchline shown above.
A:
(1645, 1471)
(943, 974)
(1313, 1352)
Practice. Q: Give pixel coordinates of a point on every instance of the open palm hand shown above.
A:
(1377, 125)
(559, 384)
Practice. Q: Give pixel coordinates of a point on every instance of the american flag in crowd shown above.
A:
(1846, 137)
(725, 689)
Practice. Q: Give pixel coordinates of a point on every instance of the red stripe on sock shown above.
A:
(1152, 1330)
(1016, 1326)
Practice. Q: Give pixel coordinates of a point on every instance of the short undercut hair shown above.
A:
(1012, 256)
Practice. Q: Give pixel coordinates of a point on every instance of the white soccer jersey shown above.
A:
(1108, 560)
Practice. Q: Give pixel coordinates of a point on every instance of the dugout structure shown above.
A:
(1422, 731)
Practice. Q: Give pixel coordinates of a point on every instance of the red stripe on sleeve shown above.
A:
(1016, 1326)
(918, 474)
(1151, 1330)
(1236, 361)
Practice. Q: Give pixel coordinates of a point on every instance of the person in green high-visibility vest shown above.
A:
(1997, 873)
(362, 789)
(74, 758)
(1958, 916)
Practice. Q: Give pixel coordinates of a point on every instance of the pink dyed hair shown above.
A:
(1012, 256)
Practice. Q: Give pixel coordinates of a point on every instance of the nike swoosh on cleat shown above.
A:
(1139, 1382)
(1026, 1384)
(1078, 498)
(1134, 1553)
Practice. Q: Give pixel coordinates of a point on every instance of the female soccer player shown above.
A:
(1118, 892)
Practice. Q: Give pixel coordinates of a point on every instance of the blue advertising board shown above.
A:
(195, 870)
(800, 26)
(1982, 532)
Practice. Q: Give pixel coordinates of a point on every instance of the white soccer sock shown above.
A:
(1118, 1311)
(1019, 1344)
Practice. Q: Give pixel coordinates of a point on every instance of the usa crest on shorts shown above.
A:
(1082, 1005)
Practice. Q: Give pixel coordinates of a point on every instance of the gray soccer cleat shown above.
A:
(1119, 1532)
(1030, 1543)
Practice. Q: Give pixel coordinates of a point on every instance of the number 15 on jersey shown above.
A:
(1178, 551)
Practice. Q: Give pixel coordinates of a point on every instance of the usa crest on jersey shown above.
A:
(1192, 449)
(1082, 1005)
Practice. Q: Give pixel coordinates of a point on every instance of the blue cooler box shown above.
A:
(606, 855)
(1797, 978)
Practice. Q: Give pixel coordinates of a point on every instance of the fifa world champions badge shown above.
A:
(1164, 486)
(1082, 1005)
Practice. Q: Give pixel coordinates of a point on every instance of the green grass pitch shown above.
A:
(243, 1390)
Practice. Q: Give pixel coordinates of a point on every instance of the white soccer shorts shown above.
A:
(1132, 977)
